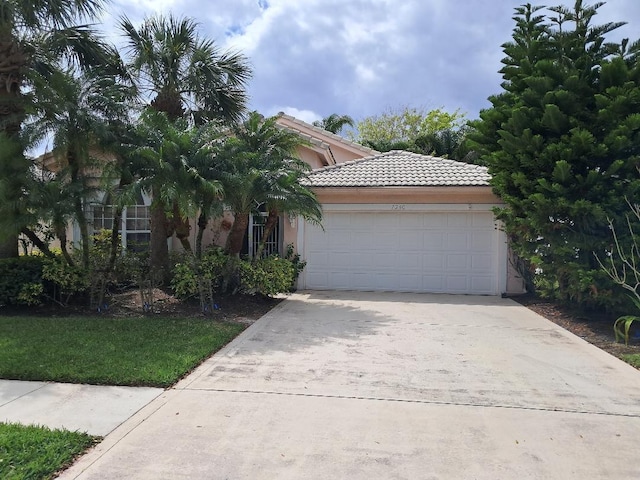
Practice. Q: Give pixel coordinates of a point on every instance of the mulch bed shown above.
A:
(595, 328)
(240, 308)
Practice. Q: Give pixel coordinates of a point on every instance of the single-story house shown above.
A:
(394, 221)
(401, 221)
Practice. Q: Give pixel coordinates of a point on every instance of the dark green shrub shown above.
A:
(219, 272)
(297, 263)
(267, 276)
(68, 280)
(215, 270)
(21, 280)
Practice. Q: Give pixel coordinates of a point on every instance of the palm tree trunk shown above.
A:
(43, 247)
(182, 228)
(159, 252)
(269, 225)
(202, 226)
(12, 63)
(115, 240)
(84, 231)
(75, 169)
(237, 233)
(61, 233)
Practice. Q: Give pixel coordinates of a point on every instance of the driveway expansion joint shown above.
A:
(24, 394)
(424, 402)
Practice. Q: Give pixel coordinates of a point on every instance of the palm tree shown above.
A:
(291, 196)
(79, 111)
(264, 171)
(447, 143)
(165, 158)
(33, 34)
(208, 160)
(185, 76)
(334, 123)
(51, 203)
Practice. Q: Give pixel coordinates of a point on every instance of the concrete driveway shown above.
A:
(388, 385)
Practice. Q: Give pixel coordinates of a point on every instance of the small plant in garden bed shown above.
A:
(623, 267)
(38, 452)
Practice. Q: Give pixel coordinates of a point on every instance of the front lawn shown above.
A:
(141, 351)
(37, 452)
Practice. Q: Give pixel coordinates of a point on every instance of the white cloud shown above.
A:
(358, 57)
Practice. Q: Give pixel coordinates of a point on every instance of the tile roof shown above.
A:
(398, 168)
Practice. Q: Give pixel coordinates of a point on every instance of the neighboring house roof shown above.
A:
(321, 138)
(398, 168)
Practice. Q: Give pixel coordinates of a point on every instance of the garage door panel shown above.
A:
(318, 258)
(360, 222)
(385, 221)
(433, 283)
(340, 240)
(320, 279)
(405, 282)
(409, 260)
(433, 240)
(480, 220)
(458, 220)
(458, 241)
(481, 241)
(457, 262)
(340, 280)
(385, 240)
(457, 283)
(410, 240)
(363, 281)
(433, 261)
(411, 221)
(339, 222)
(481, 263)
(385, 261)
(483, 284)
(436, 252)
(434, 220)
(339, 260)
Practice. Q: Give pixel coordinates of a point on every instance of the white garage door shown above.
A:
(438, 252)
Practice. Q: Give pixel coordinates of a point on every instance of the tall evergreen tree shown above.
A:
(562, 142)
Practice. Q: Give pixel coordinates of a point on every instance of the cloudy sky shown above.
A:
(312, 58)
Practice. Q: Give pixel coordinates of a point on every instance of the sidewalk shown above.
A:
(93, 409)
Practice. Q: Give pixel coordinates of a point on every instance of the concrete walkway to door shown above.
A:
(388, 385)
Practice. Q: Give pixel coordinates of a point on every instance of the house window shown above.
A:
(135, 227)
(137, 231)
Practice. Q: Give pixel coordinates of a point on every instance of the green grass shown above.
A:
(37, 452)
(633, 359)
(147, 351)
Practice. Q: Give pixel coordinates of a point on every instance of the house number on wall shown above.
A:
(398, 207)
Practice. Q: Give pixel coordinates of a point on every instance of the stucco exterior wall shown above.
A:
(457, 195)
